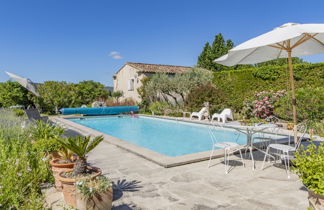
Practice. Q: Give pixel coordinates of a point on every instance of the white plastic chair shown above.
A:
(229, 148)
(224, 115)
(284, 151)
(199, 114)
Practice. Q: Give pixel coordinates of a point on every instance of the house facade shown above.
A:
(129, 77)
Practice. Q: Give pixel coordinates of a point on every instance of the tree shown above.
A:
(163, 86)
(54, 95)
(12, 93)
(219, 48)
(117, 94)
(89, 91)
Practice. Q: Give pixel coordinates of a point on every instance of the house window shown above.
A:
(131, 84)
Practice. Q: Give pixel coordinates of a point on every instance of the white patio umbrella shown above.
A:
(26, 83)
(287, 41)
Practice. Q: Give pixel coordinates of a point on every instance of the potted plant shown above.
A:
(96, 194)
(81, 146)
(61, 164)
(309, 166)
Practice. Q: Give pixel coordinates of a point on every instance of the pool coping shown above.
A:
(160, 159)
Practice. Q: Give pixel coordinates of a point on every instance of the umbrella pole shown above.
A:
(292, 83)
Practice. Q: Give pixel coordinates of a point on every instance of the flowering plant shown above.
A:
(91, 187)
(263, 105)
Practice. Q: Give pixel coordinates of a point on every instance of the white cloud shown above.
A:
(115, 55)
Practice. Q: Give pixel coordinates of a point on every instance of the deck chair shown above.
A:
(199, 114)
(224, 115)
(33, 114)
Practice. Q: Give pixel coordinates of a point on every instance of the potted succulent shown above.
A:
(96, 194)
(61, 164)
(309, 166)
(81, 146)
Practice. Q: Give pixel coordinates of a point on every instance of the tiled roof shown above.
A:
(158, 68)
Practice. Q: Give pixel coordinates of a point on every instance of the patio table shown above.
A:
(249, 131)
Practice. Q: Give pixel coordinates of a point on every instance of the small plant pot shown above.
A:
(316, 201)
(57, 168)
(69, 188)
(101, 201)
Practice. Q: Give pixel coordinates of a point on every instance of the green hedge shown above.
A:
(241, 84)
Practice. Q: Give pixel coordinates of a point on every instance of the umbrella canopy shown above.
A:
(26, 83)
(287, 41)
(300, 39)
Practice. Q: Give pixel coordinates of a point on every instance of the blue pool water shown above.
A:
(168, 137)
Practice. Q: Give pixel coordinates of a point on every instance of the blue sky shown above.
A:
(75, 40)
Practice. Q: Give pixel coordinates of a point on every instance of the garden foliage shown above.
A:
(309, 166)
(174, 89)
(241, 84)
(23, 166)
(206, 93)
(310, 105)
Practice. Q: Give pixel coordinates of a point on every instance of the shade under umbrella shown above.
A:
(26, 83)
(287, 41)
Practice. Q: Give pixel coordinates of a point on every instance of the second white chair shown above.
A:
(224, 115)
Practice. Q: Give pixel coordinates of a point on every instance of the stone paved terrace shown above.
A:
(141, 184)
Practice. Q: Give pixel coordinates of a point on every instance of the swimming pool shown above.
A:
(167, 137)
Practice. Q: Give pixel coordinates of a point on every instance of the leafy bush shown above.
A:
(267, 73)
(309, 166)
(241, 84)
(263, 104)
(44, 136)
(158, 107)
(310, 105)
(19, 112)
(22, 167)
(206, 93)
(12, 93)
(318, 127)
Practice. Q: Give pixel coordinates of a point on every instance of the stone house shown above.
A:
(128, 78)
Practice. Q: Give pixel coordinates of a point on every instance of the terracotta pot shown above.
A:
(316, 201)
(69, 189)
(290, 126)
(57, 168)
(102, 201)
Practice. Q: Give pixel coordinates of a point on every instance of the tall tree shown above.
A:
(219, 47)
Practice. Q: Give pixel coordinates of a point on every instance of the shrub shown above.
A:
(263, 104)
(206, 93)
(44, 137)
(241, 84)
(19, 112)
(22, 167)
(310, 105)
(158, 107)
(309, 166)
